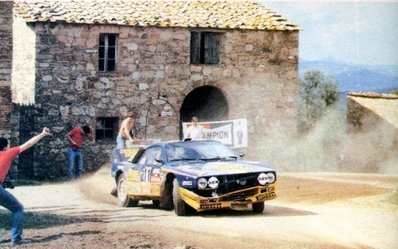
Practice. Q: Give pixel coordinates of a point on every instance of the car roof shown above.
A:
(184, 142)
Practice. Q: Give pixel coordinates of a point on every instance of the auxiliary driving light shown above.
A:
(262, 178)
(213, 182)
(271, 177)
(202, 183)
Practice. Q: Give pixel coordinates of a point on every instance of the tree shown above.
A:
(317, 94)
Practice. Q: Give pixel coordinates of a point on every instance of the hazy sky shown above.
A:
(359, 32)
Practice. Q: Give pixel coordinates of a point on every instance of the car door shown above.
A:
(149, 171)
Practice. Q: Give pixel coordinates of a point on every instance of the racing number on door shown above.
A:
(146, 174)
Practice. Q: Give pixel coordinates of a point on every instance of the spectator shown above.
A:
(76, 138)
(125, 131)
(195, 131)
(7, 200)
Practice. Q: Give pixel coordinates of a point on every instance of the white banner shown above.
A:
(230, 132)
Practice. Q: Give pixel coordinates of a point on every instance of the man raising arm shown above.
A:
(7, 200)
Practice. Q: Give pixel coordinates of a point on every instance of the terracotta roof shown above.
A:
(373, 95)
(189, 13)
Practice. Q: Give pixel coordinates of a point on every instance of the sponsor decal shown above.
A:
(230, 132)
(187, 183)
(129, 152)
(210, 206)
(155, 177)
(133, 176)
(265, 196)
(145, 190)
(146, 174)
(218, 168)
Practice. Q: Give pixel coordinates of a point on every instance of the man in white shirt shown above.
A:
(195, 131)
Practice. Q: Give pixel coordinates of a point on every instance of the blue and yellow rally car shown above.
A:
(191, 175)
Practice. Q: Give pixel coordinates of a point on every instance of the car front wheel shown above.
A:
(179, 204)
(122, 197)
(258, 207)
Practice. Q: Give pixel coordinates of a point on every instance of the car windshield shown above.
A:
(199, 151)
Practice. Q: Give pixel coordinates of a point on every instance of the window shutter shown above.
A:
(195, 47)
(211, 48)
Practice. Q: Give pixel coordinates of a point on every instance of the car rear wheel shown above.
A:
(155, 203)
(122, 197)
(258, 207)
(179, 204)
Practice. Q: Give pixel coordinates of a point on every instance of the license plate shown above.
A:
(267, 196)
(239, 205)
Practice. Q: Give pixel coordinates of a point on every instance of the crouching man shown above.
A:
(7, 200)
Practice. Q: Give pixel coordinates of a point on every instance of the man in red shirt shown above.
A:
(7, 200)
(76, 138)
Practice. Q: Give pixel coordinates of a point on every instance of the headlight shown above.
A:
(262, 178)
(202, 183)
(271, 177)
(213, 182)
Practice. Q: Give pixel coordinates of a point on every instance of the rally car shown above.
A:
(191, 175)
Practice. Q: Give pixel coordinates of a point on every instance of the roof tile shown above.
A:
(221, 14)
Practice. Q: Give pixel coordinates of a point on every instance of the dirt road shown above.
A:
(321, 210)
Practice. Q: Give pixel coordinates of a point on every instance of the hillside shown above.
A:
(350, 77)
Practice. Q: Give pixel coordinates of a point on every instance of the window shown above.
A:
(204, 47)
(151, 156)
(106, 128)
(107, 53)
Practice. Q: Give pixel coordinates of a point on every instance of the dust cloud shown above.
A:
(99, 185)
(329, 147)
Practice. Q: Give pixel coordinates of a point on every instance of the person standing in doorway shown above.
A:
(7, 200)
(75, 155)
(126, 131)
(195, 131)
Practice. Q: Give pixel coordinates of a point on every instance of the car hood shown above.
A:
(221, 168)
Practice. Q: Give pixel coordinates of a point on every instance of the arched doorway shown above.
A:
(208, 103)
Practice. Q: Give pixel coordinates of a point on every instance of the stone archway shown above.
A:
(208, 103)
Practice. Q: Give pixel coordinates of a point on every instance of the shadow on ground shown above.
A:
(39, 220)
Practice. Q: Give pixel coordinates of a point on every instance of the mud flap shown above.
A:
(114, 191)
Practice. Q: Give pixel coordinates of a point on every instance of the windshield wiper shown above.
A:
(184, 159)
(221, 158)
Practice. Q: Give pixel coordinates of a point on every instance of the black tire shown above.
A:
(123, 199)
(258, 207)
(166, 194)
(179, 204)
(155, 203)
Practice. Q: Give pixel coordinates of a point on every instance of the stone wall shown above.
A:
(372, 139)
(5, 66)
(153, 62)
(24, 63)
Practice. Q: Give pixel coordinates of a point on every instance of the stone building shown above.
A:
(5, 67)
(90, 62)
(373, 128)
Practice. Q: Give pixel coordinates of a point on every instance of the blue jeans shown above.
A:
(8, 201)
(121, 142)
(75, 156)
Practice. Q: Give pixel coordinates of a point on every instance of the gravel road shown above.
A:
(312, 210)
